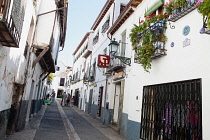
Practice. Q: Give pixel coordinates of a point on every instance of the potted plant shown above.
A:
(204, 9)
(144, 35)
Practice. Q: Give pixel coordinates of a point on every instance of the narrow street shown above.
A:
(63, 123)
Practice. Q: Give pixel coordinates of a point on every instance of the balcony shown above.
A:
(91, 78)
(46, 59)
(95, 39)
(11, 21)
(105, 27)
(159, 50)
(118, 63)
(180, 12)
(151, 44)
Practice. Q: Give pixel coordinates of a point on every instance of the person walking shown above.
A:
(64, 97)
(53, 96)
(68, 99)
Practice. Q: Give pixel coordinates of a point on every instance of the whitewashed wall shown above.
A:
(13, 63)
(180, 63)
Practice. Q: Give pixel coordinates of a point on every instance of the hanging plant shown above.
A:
(144, 37)
(50, 77)
(204, 9)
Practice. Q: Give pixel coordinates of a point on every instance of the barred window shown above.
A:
(172, 111)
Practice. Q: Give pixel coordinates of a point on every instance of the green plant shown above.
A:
(174, 4)
(50, 77)
(204, 9)
(140, 34)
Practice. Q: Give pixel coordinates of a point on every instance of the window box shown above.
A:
(181, 10)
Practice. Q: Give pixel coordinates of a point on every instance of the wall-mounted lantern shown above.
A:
(113, 47)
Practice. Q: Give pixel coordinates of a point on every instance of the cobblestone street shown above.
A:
(62, 123)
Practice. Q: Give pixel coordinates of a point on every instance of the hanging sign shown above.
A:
(103, 61)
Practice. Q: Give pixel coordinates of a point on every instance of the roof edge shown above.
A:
(80, 44)
(101, 14)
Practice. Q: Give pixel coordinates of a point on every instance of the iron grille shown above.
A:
(172, 111)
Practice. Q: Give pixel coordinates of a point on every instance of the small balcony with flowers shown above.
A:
(179, 8)
(148, 39)
(11, 22)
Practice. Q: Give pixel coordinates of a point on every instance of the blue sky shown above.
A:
(81, 16)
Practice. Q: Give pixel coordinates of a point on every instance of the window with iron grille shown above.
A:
(172, 111)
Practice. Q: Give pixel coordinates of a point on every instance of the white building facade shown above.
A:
(62, 79)
(168, 100)
(28, 55)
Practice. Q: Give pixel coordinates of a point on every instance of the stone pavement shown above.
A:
(64, 123)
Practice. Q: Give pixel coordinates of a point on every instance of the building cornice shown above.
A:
(102, 14)
(83, 40)
(124, 15)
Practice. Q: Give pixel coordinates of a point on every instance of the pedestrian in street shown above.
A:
(72, 101)
(68, 99)
(48, 96)
(53, 96)
(64, 97)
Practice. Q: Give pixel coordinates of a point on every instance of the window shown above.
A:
(153, 8)
(122, 7)
(172, 111)
(123, 44)
(58, 68)
(62, 80)
(105, 27)
(95, 39)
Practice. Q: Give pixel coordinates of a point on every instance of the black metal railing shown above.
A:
(105, 27)
(95, 39)
(180, 12)
(157, 29)
(119, 61)
(172, 111)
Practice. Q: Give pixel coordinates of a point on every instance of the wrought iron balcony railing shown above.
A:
(11, 21)
(159, 49)
(157, 28)
(118, 62)
(180, 12)
(95, 39)
(105, 27)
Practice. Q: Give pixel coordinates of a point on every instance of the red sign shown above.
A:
(103, 61)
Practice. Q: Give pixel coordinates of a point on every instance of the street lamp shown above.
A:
(113, 47)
